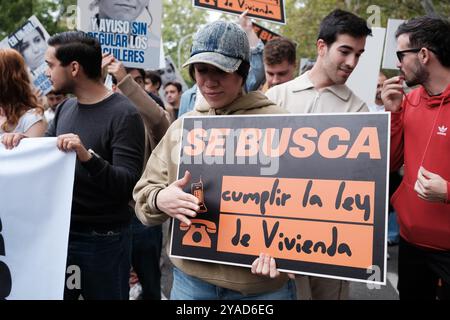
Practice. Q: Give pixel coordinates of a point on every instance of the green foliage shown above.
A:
(49, 12)
(181, 19)
(304, 16)
(12, 15)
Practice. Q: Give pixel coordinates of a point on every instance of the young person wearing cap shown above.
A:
(255, 78)
(219, 63)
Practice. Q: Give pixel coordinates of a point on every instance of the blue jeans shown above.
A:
(393, 228)
(104, 261)
(145, 256)
(186, 287)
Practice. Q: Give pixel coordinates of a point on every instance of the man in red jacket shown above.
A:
(420, 140)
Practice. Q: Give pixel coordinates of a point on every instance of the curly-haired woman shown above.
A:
(20, 111)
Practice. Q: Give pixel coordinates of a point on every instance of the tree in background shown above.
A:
(12, 15)
(181, 19)
(304, 16)
(51, 14)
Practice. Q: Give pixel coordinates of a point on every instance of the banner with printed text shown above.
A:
(170, 74)
(130, 30)
(270, 10)
(310, 190)
(30, 40)
(36, 184)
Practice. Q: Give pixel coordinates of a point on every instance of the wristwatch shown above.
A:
(92, 152)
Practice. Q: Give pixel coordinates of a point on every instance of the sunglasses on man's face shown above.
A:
(401, 54)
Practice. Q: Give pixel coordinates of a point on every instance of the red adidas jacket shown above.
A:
(420, 136)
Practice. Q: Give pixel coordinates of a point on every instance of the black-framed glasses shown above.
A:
(401, 54)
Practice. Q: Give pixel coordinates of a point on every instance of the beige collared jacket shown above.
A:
(299, 96)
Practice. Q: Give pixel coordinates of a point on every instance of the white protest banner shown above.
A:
(389, 56)
(30, 40)
(364, 78)
(36, 185)
(128, 29)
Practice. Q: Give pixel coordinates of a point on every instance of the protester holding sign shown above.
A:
(107, 134)
(20, 111)
(255, 78)
(419, 140)
(341, 41)
(219, 64)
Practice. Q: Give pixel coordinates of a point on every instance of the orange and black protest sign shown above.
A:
(309, 190)
(264, 34)
(271, 10)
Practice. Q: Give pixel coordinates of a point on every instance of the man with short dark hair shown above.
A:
(279, 61)
(107, 134)
(378, 105)
(53, 101)
(138, 76)
(172, 92)
(419, 140)
(152, 82)
(341, 41)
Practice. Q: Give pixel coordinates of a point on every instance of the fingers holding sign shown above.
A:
(72, 142)
(177, 203)
(247, 25)
(11, 140)
(114, 67)
(266, 266)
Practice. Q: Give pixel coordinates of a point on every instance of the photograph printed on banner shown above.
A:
(128, 29)
(171, 74)
(30, 40)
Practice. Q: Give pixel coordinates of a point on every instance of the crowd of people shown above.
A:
(126, 186)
